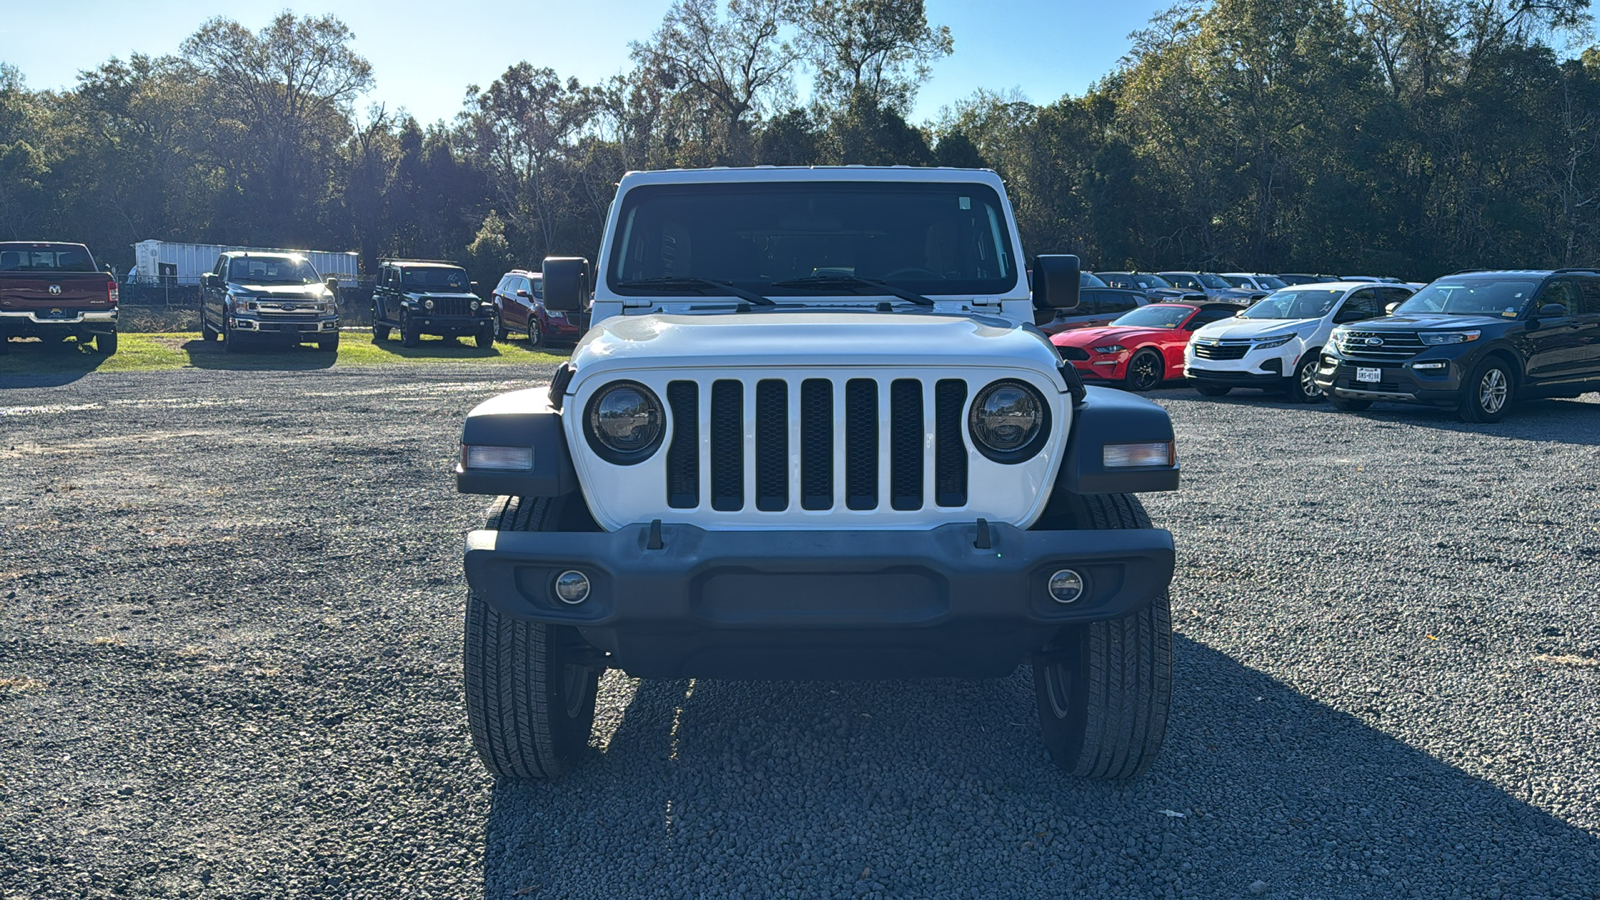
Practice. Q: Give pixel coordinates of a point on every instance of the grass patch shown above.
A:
(185, 350)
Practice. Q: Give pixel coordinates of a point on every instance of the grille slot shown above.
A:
(816, 444)
(950, 453)
(861, 443)
(772, 445)
(449, 306)
(1396, 345)
(1221, 351)
(727, 446)
(905, 444)
(683, 456)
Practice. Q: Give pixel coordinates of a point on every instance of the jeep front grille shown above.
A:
(450, 306)
(811, 449)
(1393, 345)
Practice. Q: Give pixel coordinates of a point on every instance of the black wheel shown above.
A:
(485, 339)
(1303, 385)
(499, 327)
(1487, 396)
(530, 701)
(379, 332)
(1349, 404)
(230, 339)
(207, 333)
(1213, 390)
(535, 333)
(409, 335)
(106, 343)
(1104, 689)
(328, 342)
(1146, 371)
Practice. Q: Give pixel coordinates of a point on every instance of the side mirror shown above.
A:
(332, 281)
(1389, 309)
(523, 294)
(209, 280)
(566, 283)
(473, 284)
(1552, 310)
(1055, 281)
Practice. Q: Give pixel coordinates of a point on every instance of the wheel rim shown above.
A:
(533, 331)
(1144, 371)
(1308, 380)
(1492, 391)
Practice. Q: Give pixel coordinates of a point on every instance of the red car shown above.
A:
(1141, 349)
(519, 306)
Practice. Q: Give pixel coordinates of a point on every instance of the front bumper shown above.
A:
(299, 329)
(819, 604)
(1435, 384)
(1103, 367)
(454, 326)
(1263, 368)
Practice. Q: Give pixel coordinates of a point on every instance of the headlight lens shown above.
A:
(1110, 348)
(1267, 343)
(427, 304)
(1436, 338)
(1009, 421)
(624, 422)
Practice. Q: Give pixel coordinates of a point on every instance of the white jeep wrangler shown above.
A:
(813, 433)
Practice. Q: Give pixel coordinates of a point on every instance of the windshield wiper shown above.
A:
(688, 281)
(834, 280)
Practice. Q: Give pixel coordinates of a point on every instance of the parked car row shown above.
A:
(1475, 342)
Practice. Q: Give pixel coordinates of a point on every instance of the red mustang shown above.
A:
(1141, 349)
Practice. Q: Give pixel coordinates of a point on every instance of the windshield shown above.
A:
(1472, 297)
(929, 238)
(1090, 279)
(1294, 304)
(271, 270)
(45, 259)
(1212, 281)
(1159, 315)
(1238, 281)
(1271, 282)
(434, 278)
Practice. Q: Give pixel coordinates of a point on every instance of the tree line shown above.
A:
(1406, 137)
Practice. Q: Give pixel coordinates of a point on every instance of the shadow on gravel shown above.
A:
(36, 364)
(942, 788)
(205, 354)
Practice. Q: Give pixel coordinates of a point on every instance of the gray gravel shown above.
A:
(230, 611)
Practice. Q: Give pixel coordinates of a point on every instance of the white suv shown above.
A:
(1276, 342)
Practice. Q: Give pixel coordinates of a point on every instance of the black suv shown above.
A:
(418, 297)
(1474, 341)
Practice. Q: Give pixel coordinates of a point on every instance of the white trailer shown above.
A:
(190, 261)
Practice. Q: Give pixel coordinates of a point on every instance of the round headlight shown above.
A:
(1009, 421)
(427, 304)
(474, 306)
(624, 422)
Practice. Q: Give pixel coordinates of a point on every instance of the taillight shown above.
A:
(111, 292)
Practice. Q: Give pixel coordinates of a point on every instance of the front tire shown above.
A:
(485, 339)
(230, 339)
(1303, 386)
(1487, 396)
(409, 335)
(1104, 689)
(329, 342)
(530, 698)
(1146, 371)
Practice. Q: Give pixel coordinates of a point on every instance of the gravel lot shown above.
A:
(230, 609)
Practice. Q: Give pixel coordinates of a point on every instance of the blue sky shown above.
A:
(425, 54)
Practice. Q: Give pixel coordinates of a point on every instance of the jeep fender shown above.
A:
(1109, 416)
(518, 419)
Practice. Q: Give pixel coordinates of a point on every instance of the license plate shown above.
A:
(1371, 376)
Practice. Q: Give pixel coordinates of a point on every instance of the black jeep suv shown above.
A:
(418, 297)
(1473, 341)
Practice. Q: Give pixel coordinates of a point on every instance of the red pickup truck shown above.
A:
(52, 290)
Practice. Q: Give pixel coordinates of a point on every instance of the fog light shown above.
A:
(479, 456)
(572, 587)
(1125, 456)
(1066, 586)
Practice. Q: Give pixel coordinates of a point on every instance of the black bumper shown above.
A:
(855, 604)
(1397, 381)
(1270, 380)
(453, 326)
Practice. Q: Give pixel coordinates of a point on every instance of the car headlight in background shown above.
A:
(474, 305)
(1270, 342)
(1438, 338)
(1009, 421)
(624, 422)
(1110, 348)
(427, 304)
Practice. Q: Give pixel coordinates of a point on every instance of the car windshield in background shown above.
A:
(267, 270)
(435, 279)
(68, 259)
(1150, 281)
(1213, 281)
(1090, 279)
(1472, 297)
(771, 237)
(1294, 304)
(1157, 316)
(1237, 281)
(1271, 282)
